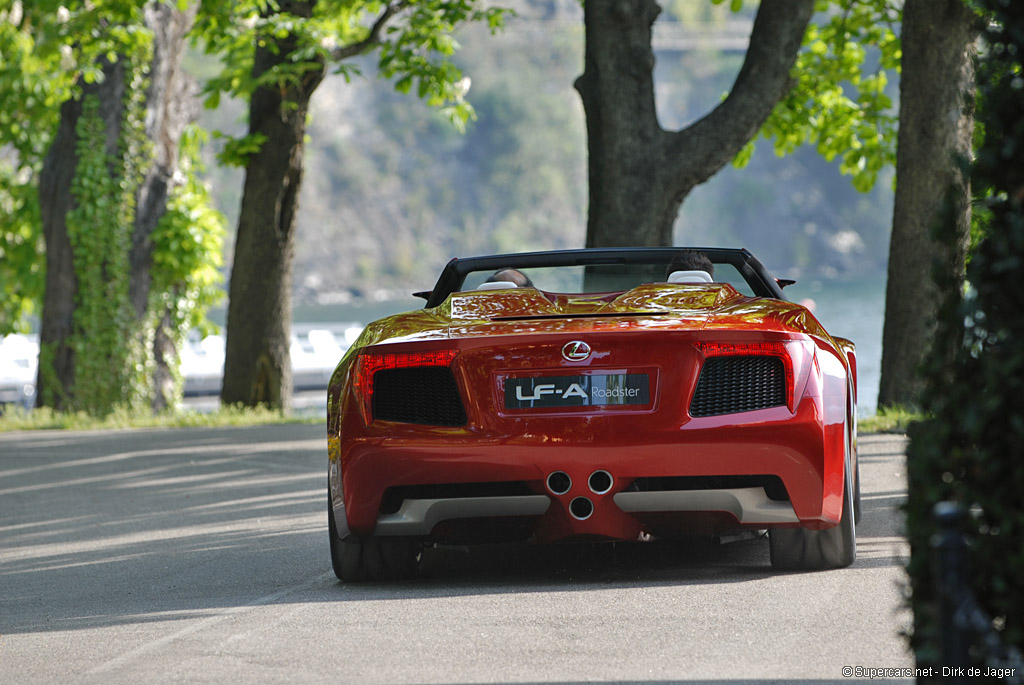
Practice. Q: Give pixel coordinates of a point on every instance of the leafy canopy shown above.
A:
(47, 49)
(839, 101)
(413, 40)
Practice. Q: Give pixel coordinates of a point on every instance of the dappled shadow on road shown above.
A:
(135, 526)
(161, 526)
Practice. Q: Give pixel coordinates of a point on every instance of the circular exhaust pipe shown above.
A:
(600, 482)
(559, 482)
(581, 508)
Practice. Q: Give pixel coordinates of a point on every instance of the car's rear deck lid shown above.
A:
(653, 299)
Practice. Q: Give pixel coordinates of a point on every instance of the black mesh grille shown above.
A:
(421, 394)
(729, 385)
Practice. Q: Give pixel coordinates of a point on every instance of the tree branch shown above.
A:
(701, 149)
(373, 38)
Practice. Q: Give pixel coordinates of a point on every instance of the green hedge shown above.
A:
(972, 450)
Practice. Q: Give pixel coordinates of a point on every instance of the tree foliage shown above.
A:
(109, 359)
(971, 451)
(413, 42)
(32, 87)
(839, 101)
(53, 53)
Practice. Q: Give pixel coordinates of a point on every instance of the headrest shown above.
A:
(496, 285)
(690, 277)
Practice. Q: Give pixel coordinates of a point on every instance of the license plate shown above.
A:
(577, 391)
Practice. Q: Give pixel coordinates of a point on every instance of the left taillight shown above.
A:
(369, 362)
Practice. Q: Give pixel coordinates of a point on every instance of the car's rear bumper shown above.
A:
(749, 506)
(793, 448)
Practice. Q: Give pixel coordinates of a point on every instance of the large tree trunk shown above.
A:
(639, 173)
(56, 377)
(257, 364)
(626, 145)
(935, 130)
(169, 107)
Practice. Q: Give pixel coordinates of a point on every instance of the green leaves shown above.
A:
(99, 228)
(48, 50)
(839, 101)
(414, 42)
(187, 246)
(46, 46)
(237, 151)
(29, 109)
(734, 5)
(969, 452)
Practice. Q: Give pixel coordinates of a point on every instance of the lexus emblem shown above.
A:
(576, 351)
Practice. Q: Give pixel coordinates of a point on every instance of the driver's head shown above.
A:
(509, 274)
(690, 260)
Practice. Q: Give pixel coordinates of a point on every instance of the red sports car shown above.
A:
(597, 394)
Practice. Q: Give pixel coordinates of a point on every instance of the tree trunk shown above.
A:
(639, 174)
(169, 107)
(624, 141)
(56, 377)
(257, 364)
(935, 129)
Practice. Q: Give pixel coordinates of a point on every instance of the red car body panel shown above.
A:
(665, 332)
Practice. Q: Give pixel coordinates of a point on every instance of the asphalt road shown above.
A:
(201, 556)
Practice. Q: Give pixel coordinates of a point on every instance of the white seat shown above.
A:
(496, 285)
(690, 277)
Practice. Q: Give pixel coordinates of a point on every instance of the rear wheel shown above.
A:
(801, 549)
(371, 558)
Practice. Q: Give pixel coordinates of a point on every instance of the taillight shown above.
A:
(755, 349)
(369, 362)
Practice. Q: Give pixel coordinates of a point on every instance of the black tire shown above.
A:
(802, 549)
(370, 558)
(856, 495)
(851, 442)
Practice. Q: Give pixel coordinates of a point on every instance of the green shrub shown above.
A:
(972, 449)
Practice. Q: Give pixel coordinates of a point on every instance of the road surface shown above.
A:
(200, 555)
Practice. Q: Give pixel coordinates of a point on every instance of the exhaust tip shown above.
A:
(581, 508)
(600, 482)
(559, 482)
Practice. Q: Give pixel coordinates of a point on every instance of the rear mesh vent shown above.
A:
(422, 394)
(729, 385)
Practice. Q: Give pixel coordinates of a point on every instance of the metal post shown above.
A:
(951, 583)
